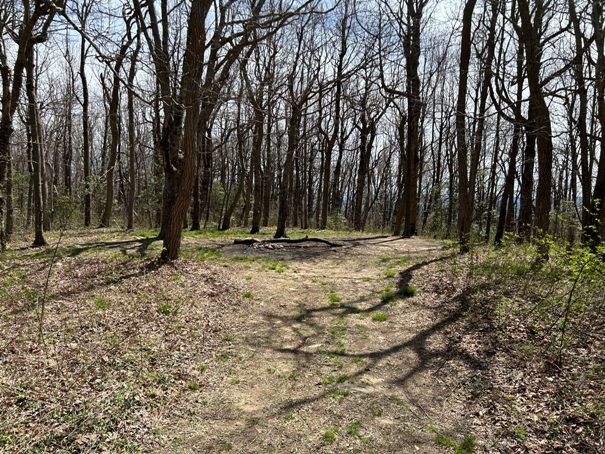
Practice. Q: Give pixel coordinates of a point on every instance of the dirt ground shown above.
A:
(369, 345)
(334, 349)
(284, 348)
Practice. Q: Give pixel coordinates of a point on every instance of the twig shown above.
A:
(42, 306)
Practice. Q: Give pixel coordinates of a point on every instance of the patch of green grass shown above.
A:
(224, 447)
(387, 295)
(292, 375)
(253, 421)
(7, 439)
(358, 360)
(237, 232)
(289, 417)
(335, 360)
(247, 294)
(202, 368)
(146, 233)
(353, 429)
(389, 273)
(520, 433)
(407, 291)
(466, 446)
(166, 308)
(223, 357)
(14, 277)
(193, 386)
(338, 394)
(335, 379)
(278, 267)
(229, 338)
(202, 253)
(380, 317)
(334, 298)
(329, 435)
(101, 302)
(245, 258)
(398, 400)
(337, 330)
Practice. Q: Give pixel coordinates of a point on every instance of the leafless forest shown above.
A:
(464, 137)
(456, 119)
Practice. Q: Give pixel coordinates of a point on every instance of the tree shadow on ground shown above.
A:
(139, 246)
(91, 278)
(427, 357)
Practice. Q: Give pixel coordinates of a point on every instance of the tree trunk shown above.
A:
(37, 150)
(285, 189)
(412, 50)
(114, 126)
(255, 164)
(540, 128)
(132, 188)
(179, 172)
(594, 229)
(465, 197)
(507, 202)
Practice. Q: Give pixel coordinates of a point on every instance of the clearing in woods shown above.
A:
(264, 348)
(335, 349)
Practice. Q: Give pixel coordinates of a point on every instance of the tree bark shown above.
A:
(540, 129)
(132, 174)
(465, 196)
(114, 126)
(594, 229)
(37, 148)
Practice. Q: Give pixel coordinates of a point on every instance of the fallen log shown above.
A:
(251, 241)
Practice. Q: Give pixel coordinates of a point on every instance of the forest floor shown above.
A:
(365, 347)
(332, 352)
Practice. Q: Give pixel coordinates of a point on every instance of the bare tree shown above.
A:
(27, 28)
(114, 119)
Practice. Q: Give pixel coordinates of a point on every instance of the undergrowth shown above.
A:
(539, 328)
(116, 353)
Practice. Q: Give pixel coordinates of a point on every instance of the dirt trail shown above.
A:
(328, 355)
